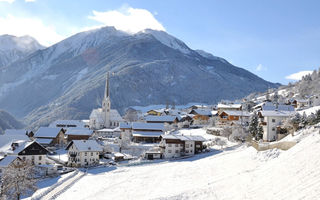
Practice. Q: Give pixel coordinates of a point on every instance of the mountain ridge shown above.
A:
(67, 79)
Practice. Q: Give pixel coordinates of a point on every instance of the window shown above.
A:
(187, 151)
(169, 151)
(273, 129)
(85, 154)
(177, 151)
(187, 145)
(169, 145)
(91, 153)
(24, 158)
(85, 160)
(177, 145)
(273, 120)
(40, 157)
(190, 145)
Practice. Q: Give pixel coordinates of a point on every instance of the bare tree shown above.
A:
(131, 115)
(18, 179)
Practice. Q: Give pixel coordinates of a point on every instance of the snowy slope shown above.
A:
(13, 48)
(236, 174)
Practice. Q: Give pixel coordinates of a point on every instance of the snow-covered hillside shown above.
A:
(240, 173)
(13, 48)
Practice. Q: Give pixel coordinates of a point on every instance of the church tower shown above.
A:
(106, 104)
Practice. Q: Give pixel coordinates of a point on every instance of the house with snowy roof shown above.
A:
(180, 145)
(9, 161)
(78, 134)
(162, 119)
(67, 124)
(82, 153)
(270, 120)
(143, 132)
(221, 107)
(231, 116)
(48, 136)
(30, 151)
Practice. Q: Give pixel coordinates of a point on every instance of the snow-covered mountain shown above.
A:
(7, 121)
(13, 48)
(67, 79)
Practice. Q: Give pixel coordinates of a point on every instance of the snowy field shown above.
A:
(239, 173)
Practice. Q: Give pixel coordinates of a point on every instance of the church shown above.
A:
(105, 117)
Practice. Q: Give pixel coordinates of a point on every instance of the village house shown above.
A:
(30, 151)
(270, 106)
(201, 115)
(82, 153)
(67, 124)
(142, 132)
(162, 119)
(270, 120)
(222, 107)
(180, 145)
(107, 133)
(156, 112)
(78, 134)
(230, 116)
(47, 136)
(9, 161)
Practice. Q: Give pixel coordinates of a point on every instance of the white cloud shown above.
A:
(297, 76)
(9, 1)
(260, 67)
(34, 27)
(128, 19)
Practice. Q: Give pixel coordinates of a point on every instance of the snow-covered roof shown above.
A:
(86, 145)
(147, 126)
(202, 112)
(98, 115)
(229, 106)
(6, 161)
(79, 131)
(44, 141)
(67, 123)
(22, 145)
(7, 140)
(163, 118)
(147, 134)
(237, 113)
(47, 132)
(125, 125)
(15, 132)
(184, 137)
(214, 112)
(279, 113)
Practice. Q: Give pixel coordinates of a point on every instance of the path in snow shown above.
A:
(63, 187)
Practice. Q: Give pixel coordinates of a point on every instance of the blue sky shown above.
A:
(272, 39)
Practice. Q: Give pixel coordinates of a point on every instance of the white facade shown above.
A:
(35, 159)
(105, 117)
(270, 120)
(81, 154)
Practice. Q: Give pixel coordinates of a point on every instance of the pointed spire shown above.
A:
(107, 90)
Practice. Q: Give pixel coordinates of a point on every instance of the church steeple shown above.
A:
(106, 103)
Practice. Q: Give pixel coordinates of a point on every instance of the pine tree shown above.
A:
(253, 126)
(259, 133)
(303, 120)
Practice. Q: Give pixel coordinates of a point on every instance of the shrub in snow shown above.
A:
(18, 180)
